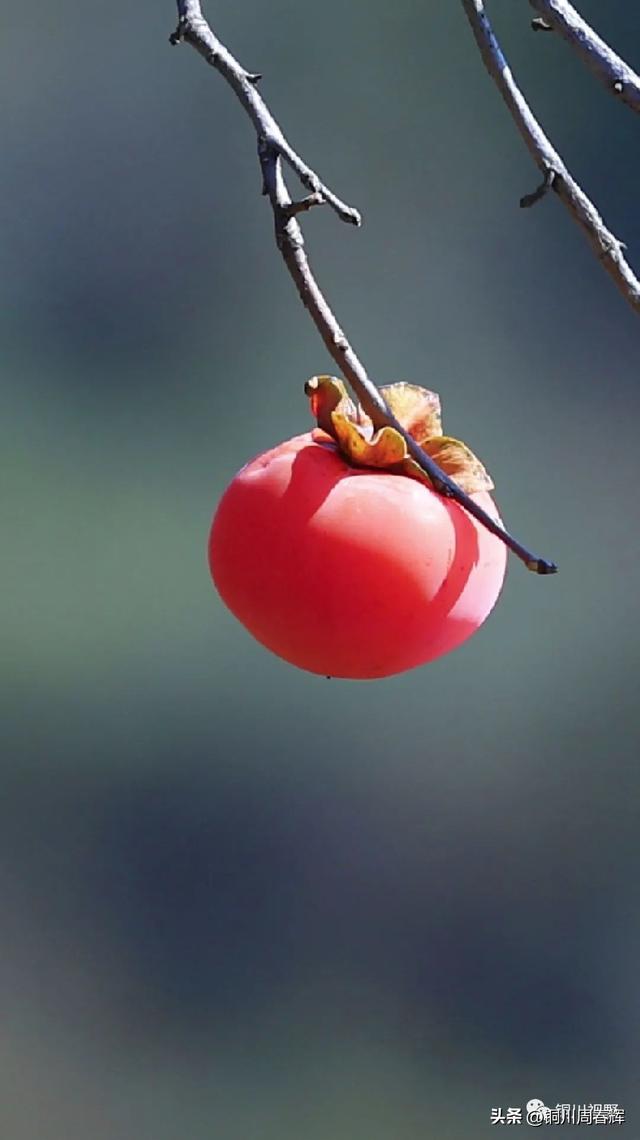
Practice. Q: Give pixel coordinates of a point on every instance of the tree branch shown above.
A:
(273, 150)
(617, 76)
(605, 245)
(193, 28)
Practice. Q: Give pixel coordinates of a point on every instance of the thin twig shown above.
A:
(273, 149)
(605, 244)
(610, 68)
(193, 28)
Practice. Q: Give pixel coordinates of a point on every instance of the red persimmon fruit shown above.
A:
(350, 570)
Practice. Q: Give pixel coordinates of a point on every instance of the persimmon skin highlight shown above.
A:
(346, 571)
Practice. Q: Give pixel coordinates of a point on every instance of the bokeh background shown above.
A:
(239, 901)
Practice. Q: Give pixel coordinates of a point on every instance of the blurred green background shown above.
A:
(240, 901)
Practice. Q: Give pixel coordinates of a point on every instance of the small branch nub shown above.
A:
(536, 195)
(304, 204)
(540, 25)
(177, 37)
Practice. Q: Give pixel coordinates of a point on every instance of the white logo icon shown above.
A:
(537, 1113)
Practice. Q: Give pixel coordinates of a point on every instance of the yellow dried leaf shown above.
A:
(386, 447)
(328, 394)
(417, 409)
(459, 461)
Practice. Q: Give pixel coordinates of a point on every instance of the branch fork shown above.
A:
(563, 18)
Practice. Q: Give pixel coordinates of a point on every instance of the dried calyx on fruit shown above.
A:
(417, 410)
